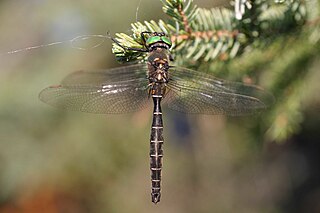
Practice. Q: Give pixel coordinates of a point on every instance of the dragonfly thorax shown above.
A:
(158, 66)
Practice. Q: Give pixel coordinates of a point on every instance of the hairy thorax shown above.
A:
(158, 65)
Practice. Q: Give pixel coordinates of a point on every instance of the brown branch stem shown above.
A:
(206, 34)
(185, 21)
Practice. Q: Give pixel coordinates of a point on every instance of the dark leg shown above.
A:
(143, 38)
(171, 58)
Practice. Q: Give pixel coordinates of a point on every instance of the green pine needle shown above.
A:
(273, 44)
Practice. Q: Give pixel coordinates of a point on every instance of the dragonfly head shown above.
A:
(158, 40)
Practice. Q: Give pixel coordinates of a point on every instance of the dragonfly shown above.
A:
(129, 88)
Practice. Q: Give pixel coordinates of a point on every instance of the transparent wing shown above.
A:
(195, 92)
(101, 77)
(118, 90)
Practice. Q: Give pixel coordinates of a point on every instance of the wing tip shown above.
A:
(44, 96)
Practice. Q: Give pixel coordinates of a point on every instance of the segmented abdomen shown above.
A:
(156, 152)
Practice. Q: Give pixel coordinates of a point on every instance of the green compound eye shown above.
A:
(152, 40)
(166, 40)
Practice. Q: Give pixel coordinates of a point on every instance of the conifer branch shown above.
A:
(196, 33)
(270, 40)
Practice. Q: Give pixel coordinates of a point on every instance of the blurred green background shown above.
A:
(57, 161)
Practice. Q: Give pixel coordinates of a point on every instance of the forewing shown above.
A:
(195, 92)
(101, 77)
(119, 90)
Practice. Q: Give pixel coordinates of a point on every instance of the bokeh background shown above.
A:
(57, 161)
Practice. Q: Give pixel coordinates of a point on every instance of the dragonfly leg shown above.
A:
(143, 38)
(150, 89)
